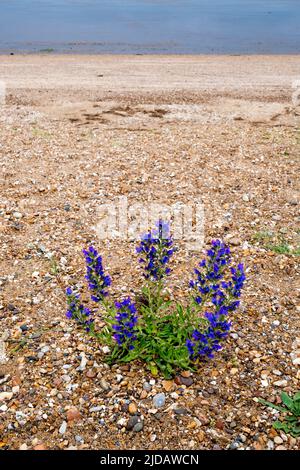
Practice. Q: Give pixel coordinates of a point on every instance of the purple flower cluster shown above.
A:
(204, 344)
(126, 318)
(76, 311)
(218, 257)
(97, 279)
(209, 285)
(238, 279)
(156, 249)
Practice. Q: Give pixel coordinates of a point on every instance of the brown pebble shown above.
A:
(167, 385)
(185, 373)
(203, 419)
(16, 380)
(91, 373)
(57, 382)
(220, 424)
(40, 447)
(132, 408)
(73, 414)
(177, 380)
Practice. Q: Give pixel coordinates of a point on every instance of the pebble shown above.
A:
(235, 241)
(95, 409)
(133, 420)
(3, 408)
(132, 408)
(83, 363)
(63, 428)
(73, 414)
(91, 373)
(159, 400)
(185, 373)
(21, 418)
(121, 422)
(280, 383)
(234, 445)
(278, 440)
(187, 381)
(167, 385)
(40, 447)
(66, 378)
(104, 385)
(138, 426)
(276, 323)
(147, 386)
(270, 445)
(24, 327)
(143, 394)
(6, 396)
(180, 411)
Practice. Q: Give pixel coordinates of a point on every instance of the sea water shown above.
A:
(150, 26)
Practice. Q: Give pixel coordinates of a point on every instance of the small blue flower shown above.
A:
(76, 311)
(222, 295)
(98, 281)
(125, 328)
(156, 249)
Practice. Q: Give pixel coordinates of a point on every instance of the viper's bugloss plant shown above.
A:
(77, 311)
(155, 250)
(125, 326)
(97, 280)
(167, 335)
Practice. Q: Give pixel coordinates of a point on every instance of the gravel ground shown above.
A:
(63, 152)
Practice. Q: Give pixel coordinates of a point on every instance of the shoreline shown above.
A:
(254, 77)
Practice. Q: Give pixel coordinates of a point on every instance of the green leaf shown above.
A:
(153, 369)
(287, 400)
(271, 405)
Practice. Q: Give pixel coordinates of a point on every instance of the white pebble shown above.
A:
(265, 383)
(63, 428)
(280, 383)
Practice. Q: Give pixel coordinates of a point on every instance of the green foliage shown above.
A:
(290, 423)
(161, 334)
(275, 242)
